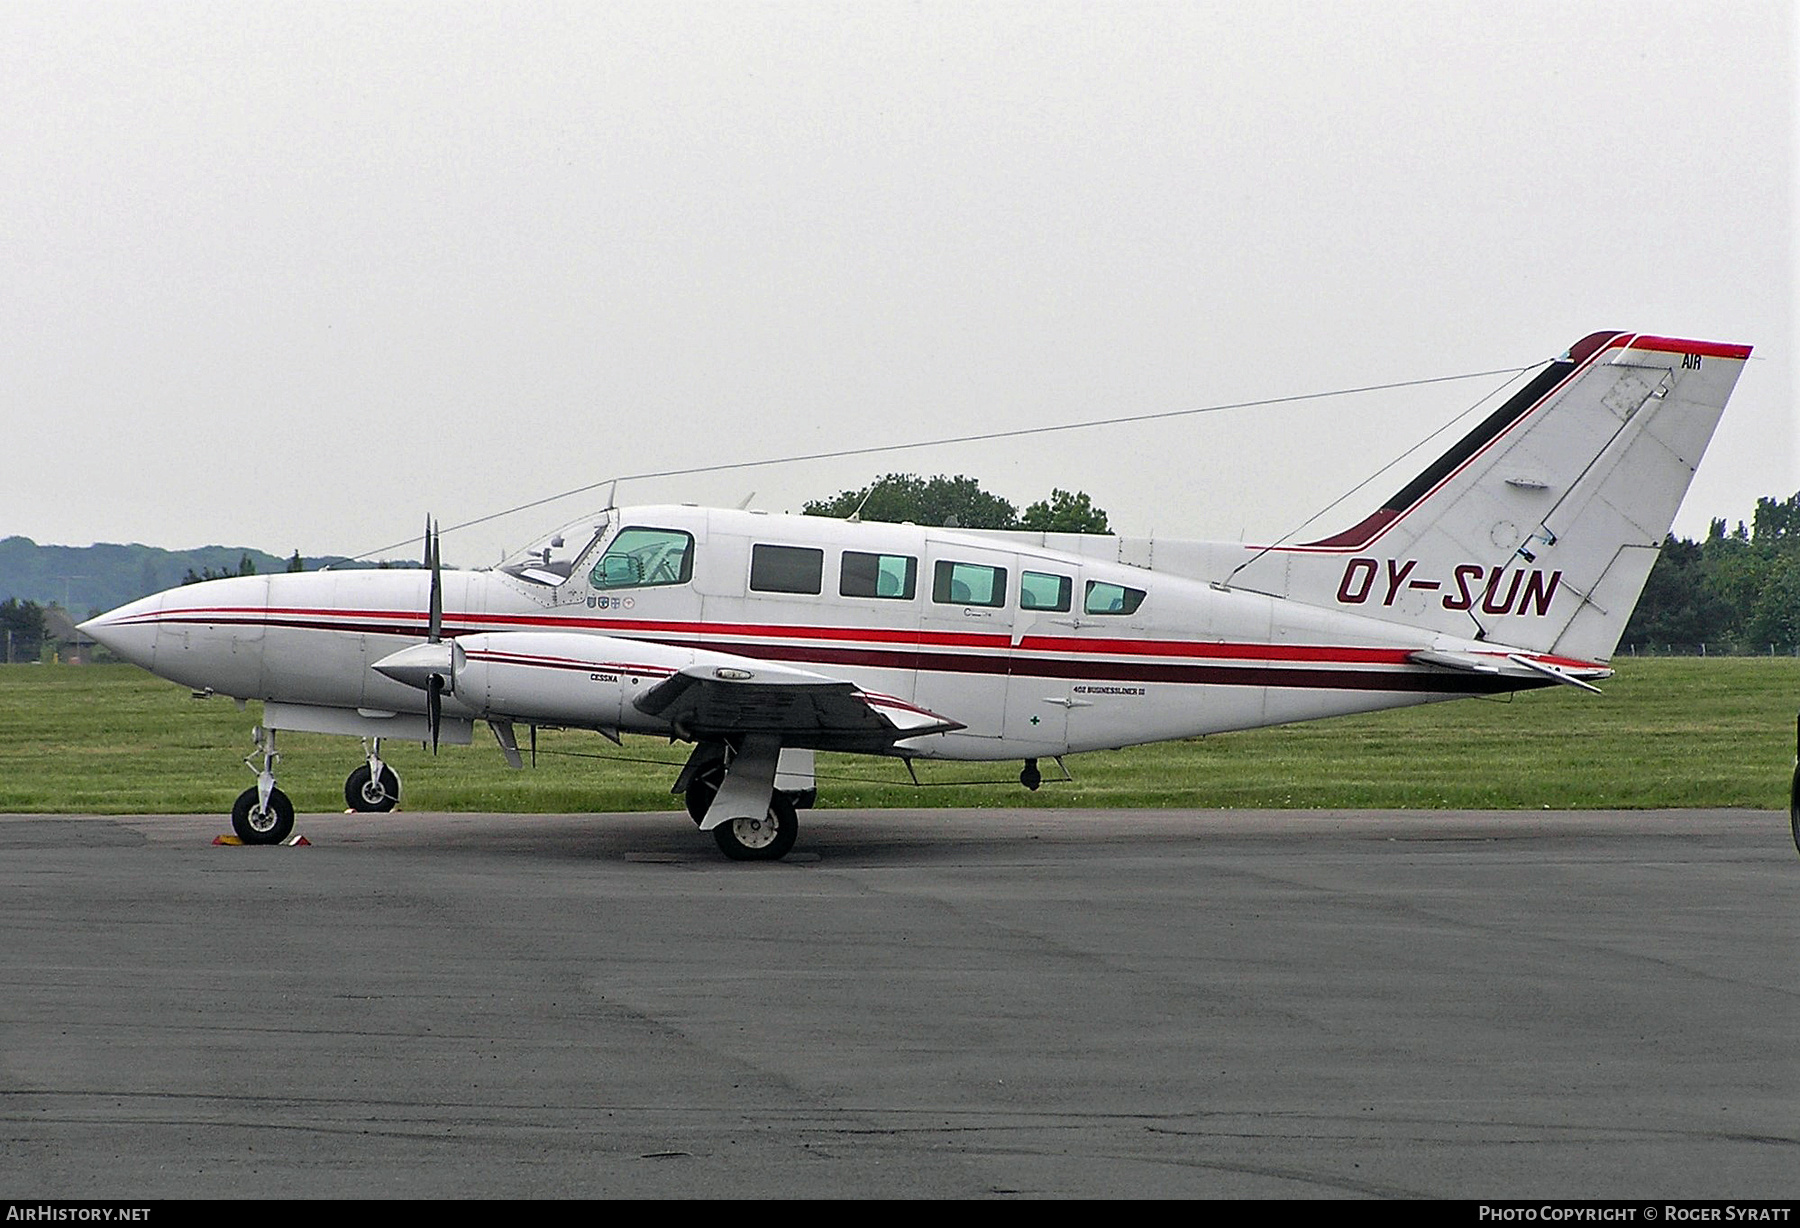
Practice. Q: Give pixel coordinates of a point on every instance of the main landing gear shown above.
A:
(765, 837)
(1794, 791)
(262, 813)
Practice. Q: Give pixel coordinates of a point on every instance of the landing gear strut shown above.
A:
(374, 787)
(263, 814)
(705, 770)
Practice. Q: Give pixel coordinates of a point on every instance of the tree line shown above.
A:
(1738, 590)
(959, 502)
(1735, 591)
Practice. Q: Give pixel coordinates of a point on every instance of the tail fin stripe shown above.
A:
(1496, 424)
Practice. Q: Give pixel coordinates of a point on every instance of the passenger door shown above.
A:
(965, 636)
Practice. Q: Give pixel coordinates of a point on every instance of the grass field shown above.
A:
(1667, 732)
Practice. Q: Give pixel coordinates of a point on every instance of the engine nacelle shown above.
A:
(559, 678)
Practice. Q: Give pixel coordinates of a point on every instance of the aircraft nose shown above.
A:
(128, 632)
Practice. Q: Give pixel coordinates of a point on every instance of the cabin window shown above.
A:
(894, 576)
(968, 584)
(1040, 591)
(1112, 598)
(640, 558)
(786, 569)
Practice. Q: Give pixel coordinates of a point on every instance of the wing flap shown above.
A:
(710, 700)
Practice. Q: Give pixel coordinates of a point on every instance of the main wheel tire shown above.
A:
(362, 791)
(1794, 809)
(765, 839)
(255, 825)
(702, 789)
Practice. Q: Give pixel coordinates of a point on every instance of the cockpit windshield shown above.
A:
(551, 559)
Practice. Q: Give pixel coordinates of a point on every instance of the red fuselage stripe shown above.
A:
(886, 648)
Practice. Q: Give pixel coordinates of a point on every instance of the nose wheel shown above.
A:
(372, 794)
(257, 821)
(374, 787)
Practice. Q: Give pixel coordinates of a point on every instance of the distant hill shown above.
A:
(103, 576)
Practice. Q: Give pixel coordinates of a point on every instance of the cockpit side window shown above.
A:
(641, 558)
(786, 569)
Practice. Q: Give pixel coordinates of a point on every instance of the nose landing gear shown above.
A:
(373, 788)
(262, 813)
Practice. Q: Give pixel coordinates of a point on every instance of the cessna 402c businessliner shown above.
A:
(1511, 561)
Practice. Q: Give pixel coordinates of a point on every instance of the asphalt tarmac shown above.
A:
(917, 1003)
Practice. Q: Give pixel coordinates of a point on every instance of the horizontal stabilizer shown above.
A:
(1561, 674)
(1514, 665)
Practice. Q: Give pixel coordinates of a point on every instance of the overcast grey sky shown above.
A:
(292, 275)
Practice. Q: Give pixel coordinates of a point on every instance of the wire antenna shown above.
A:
(984, 437)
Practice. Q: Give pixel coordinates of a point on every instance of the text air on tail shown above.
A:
(1539, 527)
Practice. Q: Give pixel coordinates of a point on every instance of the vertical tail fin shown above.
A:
(1538, 528)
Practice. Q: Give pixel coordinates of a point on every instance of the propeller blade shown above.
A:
(434, 706)
(433, 560)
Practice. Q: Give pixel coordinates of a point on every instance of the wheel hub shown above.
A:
(754, 833)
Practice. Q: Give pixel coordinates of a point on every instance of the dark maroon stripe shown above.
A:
(579, 667)
(410, 631)
(1490, 429)
(1447, 683)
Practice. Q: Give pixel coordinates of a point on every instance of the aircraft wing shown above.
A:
(609, 682)
(804, 708)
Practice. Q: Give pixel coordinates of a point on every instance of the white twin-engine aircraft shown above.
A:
(1513, 561)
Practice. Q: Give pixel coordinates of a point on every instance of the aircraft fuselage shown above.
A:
(1034, 651)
